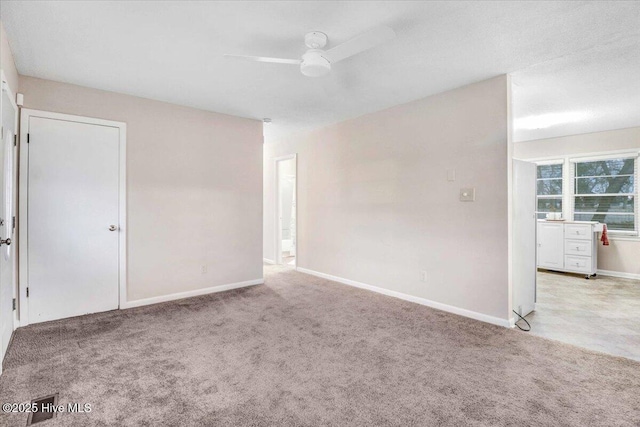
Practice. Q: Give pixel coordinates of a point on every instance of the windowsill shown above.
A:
(627, 237)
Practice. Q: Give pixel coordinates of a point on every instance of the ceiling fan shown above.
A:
(317, 62)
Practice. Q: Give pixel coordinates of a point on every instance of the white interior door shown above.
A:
(73, 193)
(524, 237)
(7, 258)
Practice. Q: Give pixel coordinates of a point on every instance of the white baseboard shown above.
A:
(193, 293)
(422, 301)
(620, 274)
(268, 261)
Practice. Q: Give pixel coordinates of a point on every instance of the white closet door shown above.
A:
(73, 225)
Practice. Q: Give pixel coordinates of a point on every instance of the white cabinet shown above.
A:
(550, 245)
(577, 247)
(578, 231)
(569, 246)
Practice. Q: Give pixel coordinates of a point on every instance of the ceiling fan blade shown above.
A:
(360, 43)
(265, 59)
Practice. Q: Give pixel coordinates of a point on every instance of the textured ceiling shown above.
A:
(589, 91)
(587, 55)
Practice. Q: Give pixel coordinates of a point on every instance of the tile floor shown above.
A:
(601, 314)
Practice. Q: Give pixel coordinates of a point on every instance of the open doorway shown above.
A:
(286, 224)
(586, 216)
(587, 219)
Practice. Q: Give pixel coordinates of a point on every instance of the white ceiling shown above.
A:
(587, 55)
(589, 91)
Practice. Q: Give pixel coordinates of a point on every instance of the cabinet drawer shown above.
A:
(580, 264)
(578, 231)
(577, 247)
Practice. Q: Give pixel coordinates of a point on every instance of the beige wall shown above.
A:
(194, 183)
(6, 61)
(623, 255)
(375, 206)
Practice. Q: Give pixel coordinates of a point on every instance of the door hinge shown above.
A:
(13, 223)
(28, 138)
(15, 140)
(14, 304)
(27, 292)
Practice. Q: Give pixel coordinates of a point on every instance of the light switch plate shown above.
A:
(451, 175)
(468, 194)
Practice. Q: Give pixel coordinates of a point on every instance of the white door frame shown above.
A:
(278, 228)
(5, 88)
(24, 197)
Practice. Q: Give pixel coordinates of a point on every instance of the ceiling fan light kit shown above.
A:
(314, 64)
(316, 61)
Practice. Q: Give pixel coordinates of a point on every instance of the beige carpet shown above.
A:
(303, 351)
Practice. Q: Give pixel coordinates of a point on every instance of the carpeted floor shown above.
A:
(303, 351)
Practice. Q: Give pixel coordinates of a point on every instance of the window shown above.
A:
(606, 191)
(603, 189)
(550, 189)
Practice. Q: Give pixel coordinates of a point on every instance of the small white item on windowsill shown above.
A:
(554, 216)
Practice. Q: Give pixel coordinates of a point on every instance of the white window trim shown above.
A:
(558, 196)
(568, 192)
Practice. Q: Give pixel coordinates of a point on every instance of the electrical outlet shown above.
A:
(203, 270)
(423, 276)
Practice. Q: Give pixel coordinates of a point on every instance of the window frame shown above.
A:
(568, 184)
(572, 168)
(552, 196)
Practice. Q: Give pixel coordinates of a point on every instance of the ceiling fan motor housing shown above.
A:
(315, 40)
(314, 64)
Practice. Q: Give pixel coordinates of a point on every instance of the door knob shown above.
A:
(113, 228)
(6, 241)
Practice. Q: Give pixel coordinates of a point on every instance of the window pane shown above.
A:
(547, 187)
(605, 204)
(611, 185)
(605, 167)
(614, 222)
(550, 171)
(546, 204)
